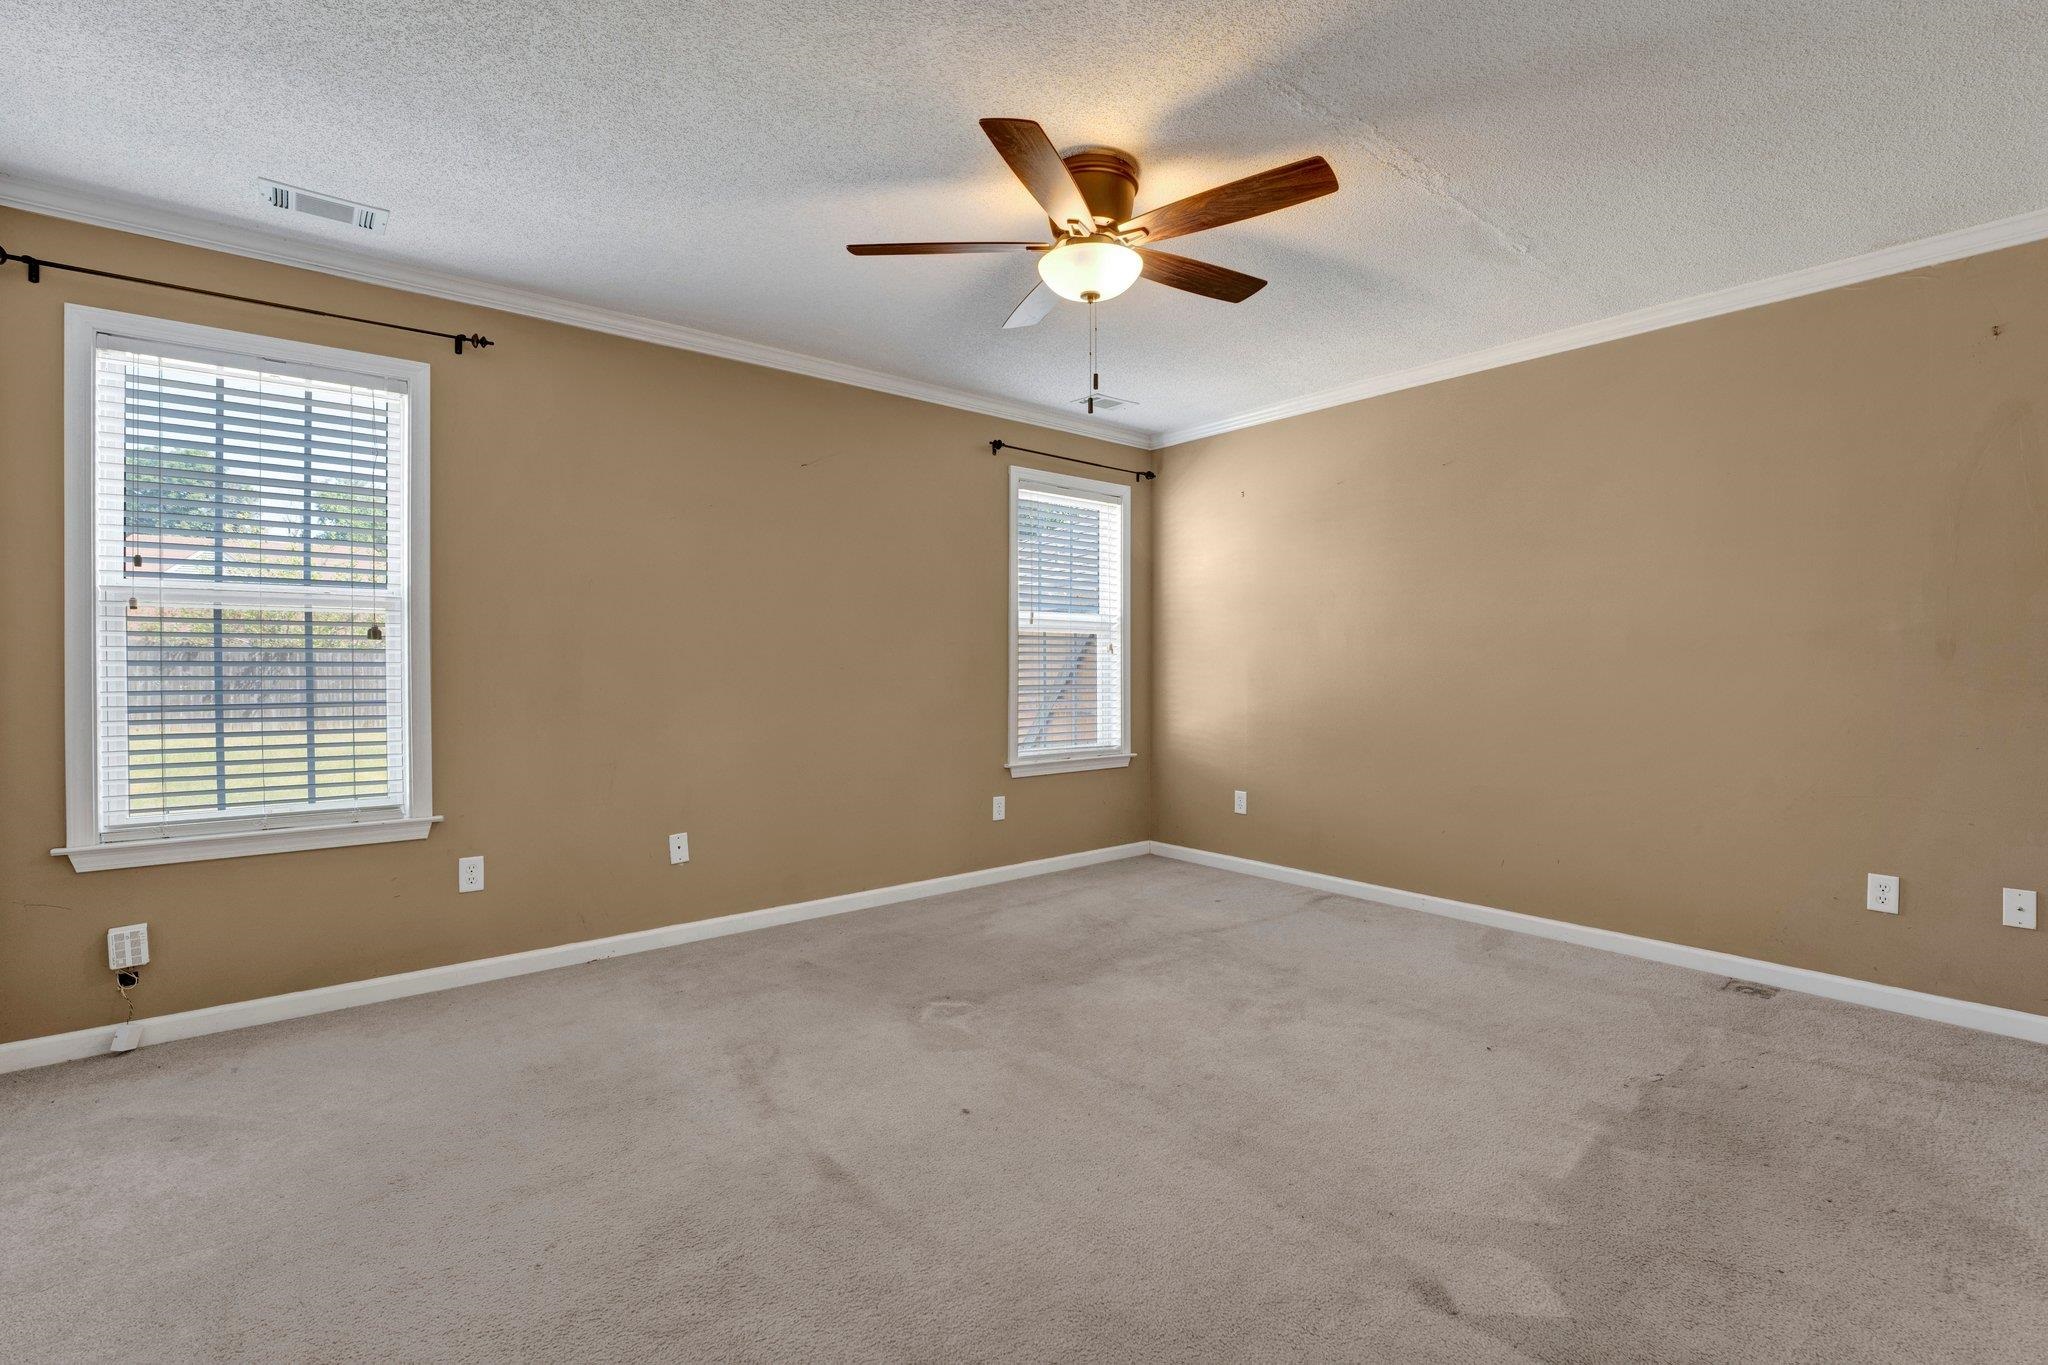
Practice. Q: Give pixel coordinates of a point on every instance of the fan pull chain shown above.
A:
(1094, 374)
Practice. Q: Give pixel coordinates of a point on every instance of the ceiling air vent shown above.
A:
(1103, 402)
(323, 206)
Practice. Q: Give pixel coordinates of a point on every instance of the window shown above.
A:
(245, 593)
(1070, 637)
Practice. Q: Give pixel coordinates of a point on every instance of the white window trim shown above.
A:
(85, 847)
(1073, 760)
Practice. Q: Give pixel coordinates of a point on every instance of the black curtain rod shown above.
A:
(1137, 475)
(36, 267)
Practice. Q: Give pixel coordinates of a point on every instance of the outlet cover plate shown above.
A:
(469, 874)
(2019, 908)
(1882, 894)
(1238, 802)
(1000, 810)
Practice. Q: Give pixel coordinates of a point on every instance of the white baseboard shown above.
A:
(1897, 999)
(165, 1028)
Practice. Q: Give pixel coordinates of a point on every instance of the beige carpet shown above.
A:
(1140, 1112)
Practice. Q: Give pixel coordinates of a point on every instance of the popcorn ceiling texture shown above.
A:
(1509, 169)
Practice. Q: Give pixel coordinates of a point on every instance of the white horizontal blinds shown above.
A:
(1070, 593)
(249, 573)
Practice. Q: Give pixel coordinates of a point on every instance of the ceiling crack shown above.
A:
(1425, 177)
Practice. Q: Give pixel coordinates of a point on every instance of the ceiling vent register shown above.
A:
(326, 207)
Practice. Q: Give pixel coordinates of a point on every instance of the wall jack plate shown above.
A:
(127, 947)
(2019, 908)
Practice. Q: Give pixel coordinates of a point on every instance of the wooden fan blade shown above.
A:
(1282, 187)
(1199, 277)
(1030, 153)
(1036, 305)
(940, 248)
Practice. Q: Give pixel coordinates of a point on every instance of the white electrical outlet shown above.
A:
(127, 946)
(999, 808)
(2019, 908)
(469, 874)
(679, 848)
(1882, 894)
(1237, 802)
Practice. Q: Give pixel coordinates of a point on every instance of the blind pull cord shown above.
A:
(36, 266)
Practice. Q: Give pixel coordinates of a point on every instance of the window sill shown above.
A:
(192, 848)
(1039, 767)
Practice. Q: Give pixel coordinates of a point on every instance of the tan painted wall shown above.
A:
(670, 592)
(1679, 635)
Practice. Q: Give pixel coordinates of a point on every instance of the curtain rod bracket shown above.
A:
(36, 267)
(1137, 475)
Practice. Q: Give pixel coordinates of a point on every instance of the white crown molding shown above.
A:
(1895, 999)
(146, 220)
(1891, 260)
(124, 215)
(269, 1009)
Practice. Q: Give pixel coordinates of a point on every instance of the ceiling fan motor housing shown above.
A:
(1108, 180)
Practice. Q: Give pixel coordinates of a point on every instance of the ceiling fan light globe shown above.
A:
(1077, 270)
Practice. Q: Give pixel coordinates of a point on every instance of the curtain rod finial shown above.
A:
(35, 267)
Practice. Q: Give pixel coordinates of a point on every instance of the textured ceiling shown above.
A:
(1509, 168)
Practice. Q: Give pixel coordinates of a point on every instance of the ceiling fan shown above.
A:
(1098, 248)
